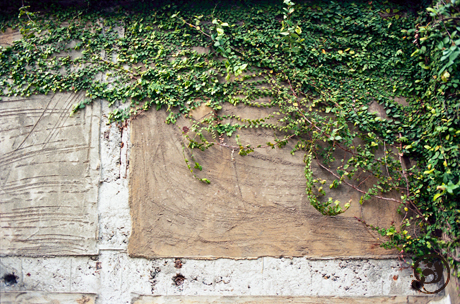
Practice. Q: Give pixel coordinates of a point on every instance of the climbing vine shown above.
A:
(317, 68)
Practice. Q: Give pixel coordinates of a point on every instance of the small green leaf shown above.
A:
(205, 180)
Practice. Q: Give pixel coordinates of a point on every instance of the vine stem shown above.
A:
(447, 30)
(292, 89)
(353, 186)
(364, 180)
(237, 147)
(196, 28)
(400, 154)
(444, 19)
(26, 13)
(317, 128)
(207, 35)
(385, 152)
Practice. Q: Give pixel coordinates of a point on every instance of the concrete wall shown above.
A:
(108, 275)
(67, 221)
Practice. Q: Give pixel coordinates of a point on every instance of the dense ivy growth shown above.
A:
(320, 64)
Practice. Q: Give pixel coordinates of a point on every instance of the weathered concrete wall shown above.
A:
(66, 223)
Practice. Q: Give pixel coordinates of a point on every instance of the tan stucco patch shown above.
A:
(255, 205)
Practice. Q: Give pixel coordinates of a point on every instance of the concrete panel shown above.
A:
(277, 300)
(115, 277)
(255, 205)
(46, 298)
(49, 176)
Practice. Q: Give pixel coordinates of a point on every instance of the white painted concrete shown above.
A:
(116, 278)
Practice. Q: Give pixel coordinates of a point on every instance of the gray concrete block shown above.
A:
(49, 176)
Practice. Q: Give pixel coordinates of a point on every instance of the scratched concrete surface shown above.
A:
(49, 175)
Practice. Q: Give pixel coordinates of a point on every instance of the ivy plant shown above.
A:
(317, 67)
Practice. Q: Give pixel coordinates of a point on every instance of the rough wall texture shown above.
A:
(112, 276)
(49, 176)
(9, 36)
(255, 205)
